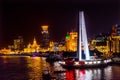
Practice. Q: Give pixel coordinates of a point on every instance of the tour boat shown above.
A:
(96, 63)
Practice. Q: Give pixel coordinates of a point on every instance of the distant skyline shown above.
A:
(26, 18)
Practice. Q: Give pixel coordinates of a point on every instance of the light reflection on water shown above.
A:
(94, 74)
(22, 68)
(31, 68)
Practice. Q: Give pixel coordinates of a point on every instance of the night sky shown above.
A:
(24, 18)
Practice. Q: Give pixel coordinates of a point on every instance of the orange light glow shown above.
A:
(45, 27)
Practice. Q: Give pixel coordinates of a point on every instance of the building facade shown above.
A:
(34, 47)
(71, 41)
(108, 44)
(45, 37)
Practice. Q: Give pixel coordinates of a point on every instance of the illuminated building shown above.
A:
(108, 43)
(71, 41)
(114, 40)
(45, 37)
(114, 44)
(51, 47)
(54, 47)
(32, 47)
(101, 43)
(17, 44)
(5, 51)
(21, 45)
(61, 47)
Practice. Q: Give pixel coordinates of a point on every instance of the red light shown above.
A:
(82, 71)
(81, 62)
(70, 75)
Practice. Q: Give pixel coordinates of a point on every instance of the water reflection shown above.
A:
(31, 68)
(70, 75)
(37, 65)
(89, 74)
(22, 68)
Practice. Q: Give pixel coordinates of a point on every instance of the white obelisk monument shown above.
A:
(82, 38)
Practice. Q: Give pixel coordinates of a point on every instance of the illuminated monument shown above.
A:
(88, 61)
(82, 38)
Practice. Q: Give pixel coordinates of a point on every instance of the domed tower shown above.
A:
(45, 37)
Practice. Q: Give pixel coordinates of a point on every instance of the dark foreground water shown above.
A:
(31, 68)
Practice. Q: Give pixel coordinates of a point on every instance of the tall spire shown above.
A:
(83, 37)
(34, 41)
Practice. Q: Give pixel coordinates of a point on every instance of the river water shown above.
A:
(31, 68)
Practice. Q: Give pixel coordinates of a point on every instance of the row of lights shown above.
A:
(89, 62)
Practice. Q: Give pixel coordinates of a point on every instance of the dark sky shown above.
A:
(19, 17)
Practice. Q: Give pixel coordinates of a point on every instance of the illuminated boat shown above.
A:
(85, 63)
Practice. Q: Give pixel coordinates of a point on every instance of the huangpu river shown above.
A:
(31, 68)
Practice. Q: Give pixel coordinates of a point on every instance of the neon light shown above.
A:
(67, 37)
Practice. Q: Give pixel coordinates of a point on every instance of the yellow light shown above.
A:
(45, 27)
